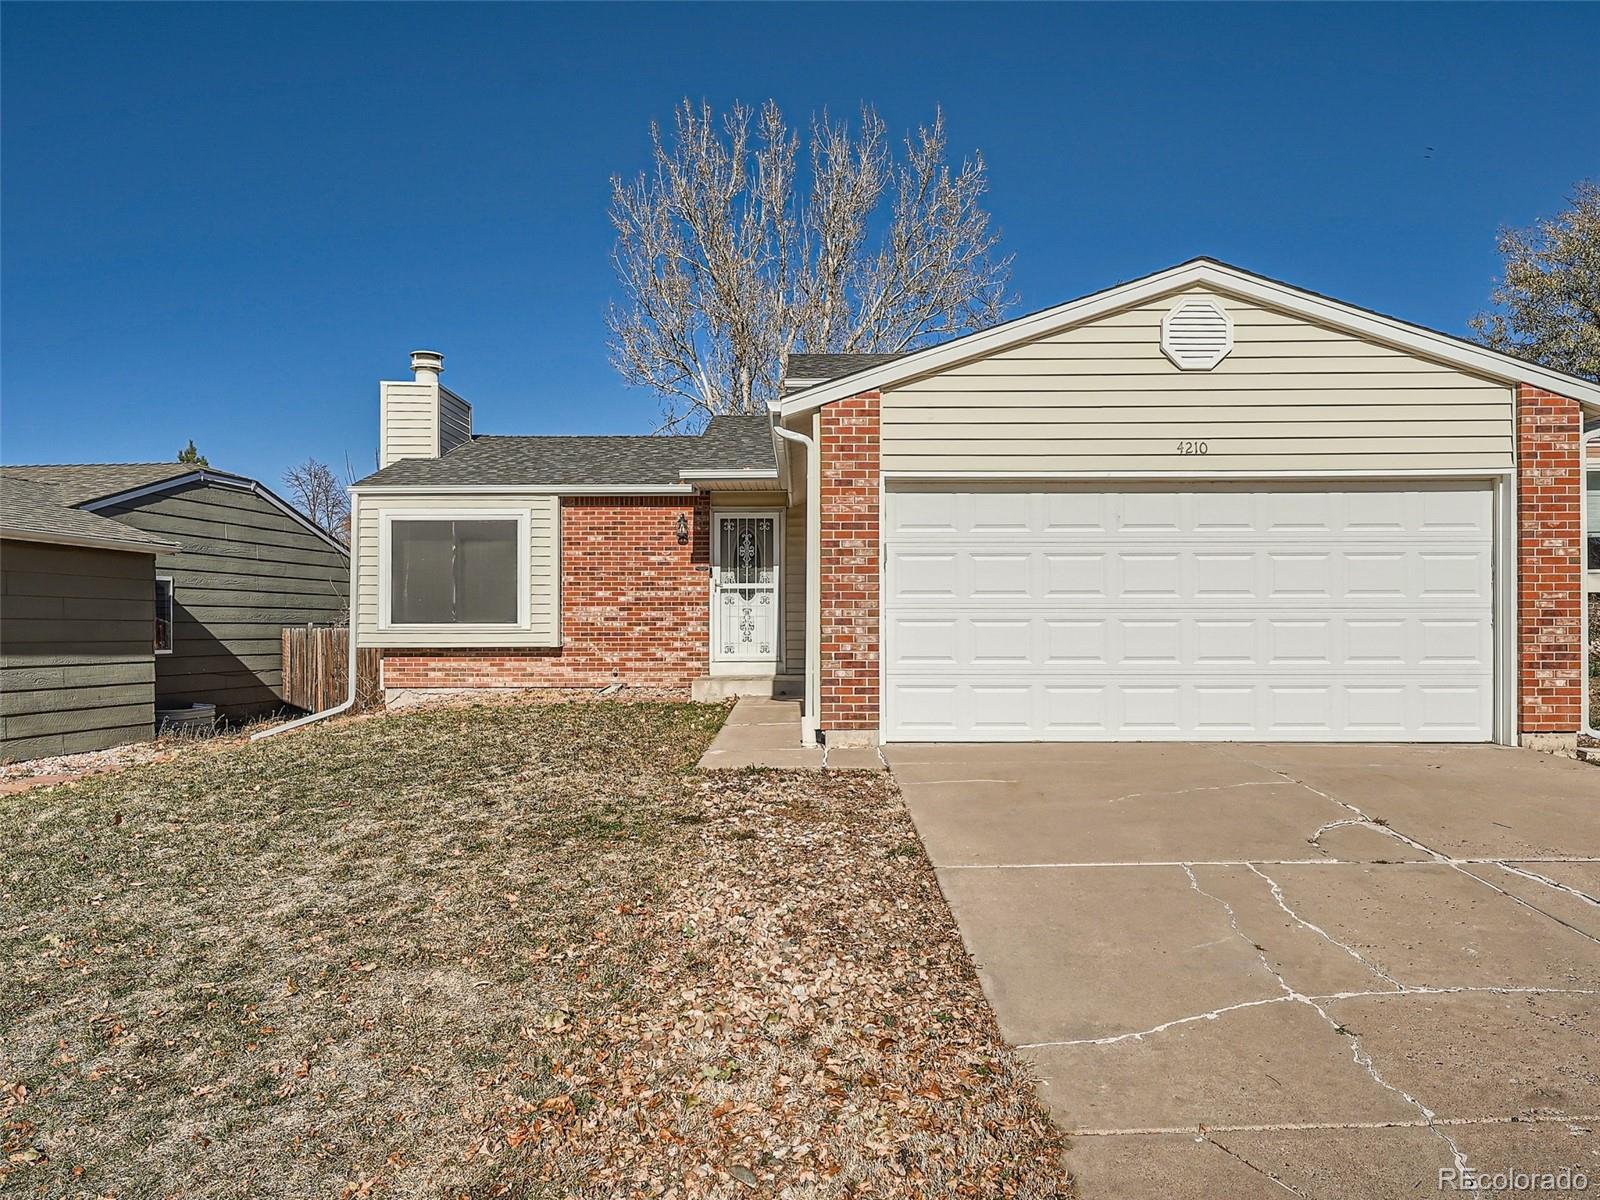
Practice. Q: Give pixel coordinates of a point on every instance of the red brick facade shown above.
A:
(848, 436)
(634, 606)
(1550, 560)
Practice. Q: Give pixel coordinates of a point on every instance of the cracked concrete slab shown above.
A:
(1534, 1147)
(1482, 1054)
(1081, 811)
(1080, 954)
(1328, 1164)
(1272, 1064)
(1436, 925)
(1219, 936)
(1318, 960)
(1570, 891)
(1464, 801)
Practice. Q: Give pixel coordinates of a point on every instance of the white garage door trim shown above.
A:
(1480, 682)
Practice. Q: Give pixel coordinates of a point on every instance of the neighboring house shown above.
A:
(1203, 505)
(77, 610)
(132, 586)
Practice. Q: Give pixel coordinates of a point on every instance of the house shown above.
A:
(129, 587)
(1202, 505)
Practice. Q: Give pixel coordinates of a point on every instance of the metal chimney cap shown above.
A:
(427, 360)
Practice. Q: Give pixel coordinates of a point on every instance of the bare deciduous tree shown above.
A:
(320, 495)
(730, 262)
(1548, 302)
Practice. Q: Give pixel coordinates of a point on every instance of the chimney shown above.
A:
(428, 365)
(419, 417)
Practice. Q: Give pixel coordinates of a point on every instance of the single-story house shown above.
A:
(1202, 505)
(127, 587)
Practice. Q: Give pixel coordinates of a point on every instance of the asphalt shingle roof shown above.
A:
(79, 483)
(730, 443)
(823, 367)
(38, 511)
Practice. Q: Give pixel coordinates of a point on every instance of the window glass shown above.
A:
(164, 614)
(453, 573)
(486, 572)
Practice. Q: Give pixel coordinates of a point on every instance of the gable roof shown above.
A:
(729, 443)
(817, 368)
(79, 483)
(89, 487)
(1200, 272)
(36, 511)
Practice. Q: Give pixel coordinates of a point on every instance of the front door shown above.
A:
(745, 549)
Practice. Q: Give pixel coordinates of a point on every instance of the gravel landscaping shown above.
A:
(494, 951)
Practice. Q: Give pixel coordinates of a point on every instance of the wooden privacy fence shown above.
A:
(316, 668)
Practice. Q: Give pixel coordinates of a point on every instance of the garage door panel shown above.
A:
(1091, 577)
(1083, 575)
(1195, 709)
(1224, 612)
(1038, 642)
(1076, 641)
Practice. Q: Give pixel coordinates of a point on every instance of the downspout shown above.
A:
(1592, 438)
(350, 694)
(813, 682)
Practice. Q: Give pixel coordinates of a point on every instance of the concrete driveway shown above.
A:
(1253, 970)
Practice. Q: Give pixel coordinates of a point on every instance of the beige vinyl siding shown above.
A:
(1292, 395)
(408, 421)
(544, 570)
(455, 420)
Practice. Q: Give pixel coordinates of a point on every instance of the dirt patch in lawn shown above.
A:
(494, 952)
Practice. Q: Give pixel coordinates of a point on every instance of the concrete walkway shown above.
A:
(766, 733)
(1269, 971)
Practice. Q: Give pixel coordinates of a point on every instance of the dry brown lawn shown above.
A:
(505, 951)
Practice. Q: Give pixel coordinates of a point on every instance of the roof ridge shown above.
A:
(158, 463)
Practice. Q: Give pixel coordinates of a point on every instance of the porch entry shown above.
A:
(746, 548)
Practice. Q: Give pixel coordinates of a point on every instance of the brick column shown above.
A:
(848, 437)
(1549, 564)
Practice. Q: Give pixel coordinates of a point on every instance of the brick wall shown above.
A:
(634, 606)
(1549, 561)
(848, 433)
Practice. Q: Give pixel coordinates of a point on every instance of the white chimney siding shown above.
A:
(420, 417)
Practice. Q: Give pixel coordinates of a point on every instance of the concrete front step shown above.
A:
(722, 687)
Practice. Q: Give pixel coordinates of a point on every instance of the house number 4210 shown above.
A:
(1193, 448)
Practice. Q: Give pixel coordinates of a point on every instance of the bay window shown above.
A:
(468, 569)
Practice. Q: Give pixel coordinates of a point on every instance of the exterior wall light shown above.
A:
(683, 530)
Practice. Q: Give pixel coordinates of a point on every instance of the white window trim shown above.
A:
(172, 621)
(386, 519)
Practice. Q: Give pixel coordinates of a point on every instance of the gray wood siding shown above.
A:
(247, 569)
(1102, 397)
(455, 420)
(76, 667)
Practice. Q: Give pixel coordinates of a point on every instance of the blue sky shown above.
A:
(227, 222)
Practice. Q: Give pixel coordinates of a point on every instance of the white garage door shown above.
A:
(1216, 612)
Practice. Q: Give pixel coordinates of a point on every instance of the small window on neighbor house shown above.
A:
(453, 572)
(164, 613)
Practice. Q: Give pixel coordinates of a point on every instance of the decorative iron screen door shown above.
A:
(744, 599)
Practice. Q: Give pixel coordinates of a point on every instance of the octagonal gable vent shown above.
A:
(1196, 334)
